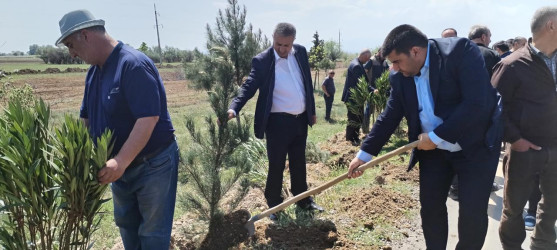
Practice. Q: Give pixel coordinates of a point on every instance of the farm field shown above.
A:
(372, 212)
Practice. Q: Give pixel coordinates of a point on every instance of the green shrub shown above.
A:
(48, 188)
(314, 154)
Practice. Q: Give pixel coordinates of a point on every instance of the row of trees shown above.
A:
(169, 54)
(56, 55)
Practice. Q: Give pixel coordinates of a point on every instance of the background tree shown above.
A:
(316, 55)
(171, 54)
(33, 49)
(240, 41)
(143, 47)
(332, 50)
(215, 162)
(212, 163)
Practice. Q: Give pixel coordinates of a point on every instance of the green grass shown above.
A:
(14, 66)
(108, 234)
(20, 59)
(14, 63)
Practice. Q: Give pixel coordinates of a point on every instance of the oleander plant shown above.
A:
(49, 194)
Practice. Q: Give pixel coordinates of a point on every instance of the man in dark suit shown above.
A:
(481, 35)
(285, 108)
(353, 74)
(442, 89)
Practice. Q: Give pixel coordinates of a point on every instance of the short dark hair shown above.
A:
(285, 30)
(477, 31)
(502, 45)
(402, 39)
(510, 42)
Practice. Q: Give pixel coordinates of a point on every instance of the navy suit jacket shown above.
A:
(262, 78)
(354, 72)
(463, 98)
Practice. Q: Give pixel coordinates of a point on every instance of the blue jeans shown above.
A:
(144, 199)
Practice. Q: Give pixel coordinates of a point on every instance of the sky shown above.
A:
(361, 23)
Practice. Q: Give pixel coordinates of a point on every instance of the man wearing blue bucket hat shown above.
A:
(124, 93)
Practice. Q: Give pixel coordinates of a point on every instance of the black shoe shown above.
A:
(312, 206)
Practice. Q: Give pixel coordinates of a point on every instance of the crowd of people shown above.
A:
(460, 99)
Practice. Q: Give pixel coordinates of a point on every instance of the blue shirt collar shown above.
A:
(113, 57)
(426, 64)
(425, 68)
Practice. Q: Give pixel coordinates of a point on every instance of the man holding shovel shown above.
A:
(442, 89)
(285, 108)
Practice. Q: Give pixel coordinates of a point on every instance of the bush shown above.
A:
(48, 188)
(314, 154)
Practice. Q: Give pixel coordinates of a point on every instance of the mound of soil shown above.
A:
(26, 71)
(52, 70)
(228, 232)
(398, 172)
(367, 208)
(369, 204)
(70, 70)
(319, 235)
(342, 151)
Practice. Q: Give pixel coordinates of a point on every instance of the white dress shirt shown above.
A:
(289, 93)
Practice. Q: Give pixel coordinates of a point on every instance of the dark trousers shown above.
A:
(522, 168)
(328, 105)
(286, 135)
(353, 127)
(535, 196)
(475, 178)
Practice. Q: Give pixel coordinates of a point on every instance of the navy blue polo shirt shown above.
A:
(126, 88)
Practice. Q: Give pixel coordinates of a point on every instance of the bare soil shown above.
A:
(332, 229)
(64, 92)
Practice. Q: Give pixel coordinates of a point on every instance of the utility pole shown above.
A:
(339, 39)
(158, 37)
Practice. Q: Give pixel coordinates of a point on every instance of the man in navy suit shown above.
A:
(285, 107)
(442, 89)
(353, 74)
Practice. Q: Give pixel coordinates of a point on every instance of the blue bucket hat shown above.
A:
(76, 20)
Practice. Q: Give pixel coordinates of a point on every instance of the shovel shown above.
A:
(250, 226)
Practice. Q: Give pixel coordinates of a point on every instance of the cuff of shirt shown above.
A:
(434, 138)
(364, 156)
(232, 112)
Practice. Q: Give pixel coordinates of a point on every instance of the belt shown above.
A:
(141, 159)
(290, 115)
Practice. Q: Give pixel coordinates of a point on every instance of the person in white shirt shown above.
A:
(285, 107)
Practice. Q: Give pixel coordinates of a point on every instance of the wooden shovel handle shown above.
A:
(332, 182)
